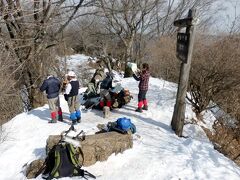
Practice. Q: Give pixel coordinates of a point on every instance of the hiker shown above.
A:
(72, 97)
(105, 86)
(143, 77)
(52, 87)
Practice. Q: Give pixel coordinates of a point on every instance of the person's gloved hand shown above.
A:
(66, 97)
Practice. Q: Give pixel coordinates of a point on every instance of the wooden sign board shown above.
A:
(181, 23)
(182, 46)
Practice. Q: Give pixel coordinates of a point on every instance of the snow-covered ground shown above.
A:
(79, 64)
(75, 60)
(157, 152)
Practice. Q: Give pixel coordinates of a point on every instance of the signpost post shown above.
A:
(185, 43)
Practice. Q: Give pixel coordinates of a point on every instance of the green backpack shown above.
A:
(62, 162)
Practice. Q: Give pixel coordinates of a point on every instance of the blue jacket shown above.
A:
(51, 86)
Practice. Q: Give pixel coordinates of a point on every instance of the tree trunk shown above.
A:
(36, 98)
(128, 58)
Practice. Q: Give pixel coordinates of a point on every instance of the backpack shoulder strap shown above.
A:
(57, 161)
(72, 154)
(77, 169)
(49, 163)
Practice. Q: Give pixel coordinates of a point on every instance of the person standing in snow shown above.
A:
(143, 77)
(72, 98)
(52, 87)
(105, 86)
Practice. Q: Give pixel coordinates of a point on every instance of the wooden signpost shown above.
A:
(185, 43)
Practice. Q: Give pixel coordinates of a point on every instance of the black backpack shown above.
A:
(62, 161)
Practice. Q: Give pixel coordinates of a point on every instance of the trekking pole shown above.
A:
(70, 129)
(86, 173)
(64, 133)
(82, 138)
(77, 136)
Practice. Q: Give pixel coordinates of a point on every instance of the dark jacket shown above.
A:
(51, 86)
(75, 86)
(106, 83)
(144, 79)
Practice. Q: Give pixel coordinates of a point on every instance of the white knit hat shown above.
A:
(71, 73)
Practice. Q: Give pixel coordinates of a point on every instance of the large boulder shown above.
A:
(98, 147)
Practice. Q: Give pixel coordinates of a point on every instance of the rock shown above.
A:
(98, 147)
(34, 169)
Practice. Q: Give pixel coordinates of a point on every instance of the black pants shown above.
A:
(141, 95)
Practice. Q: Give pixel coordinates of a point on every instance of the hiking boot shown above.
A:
(74, 122)
(139, 110)
(79, 119)
(52, 121)
(145, 108)
(53, 117)
(60, 118)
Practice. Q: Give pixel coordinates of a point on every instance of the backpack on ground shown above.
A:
(62, 161)
(122, 125)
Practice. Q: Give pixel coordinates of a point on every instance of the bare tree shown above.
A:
(234, 23)
(10, 102)
(215, 73)
(168, 11)
(33, 28)
(124, 18)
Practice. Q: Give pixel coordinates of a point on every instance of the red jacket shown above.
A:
(144, 79)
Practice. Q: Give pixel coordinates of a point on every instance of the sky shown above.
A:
(225, 17)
